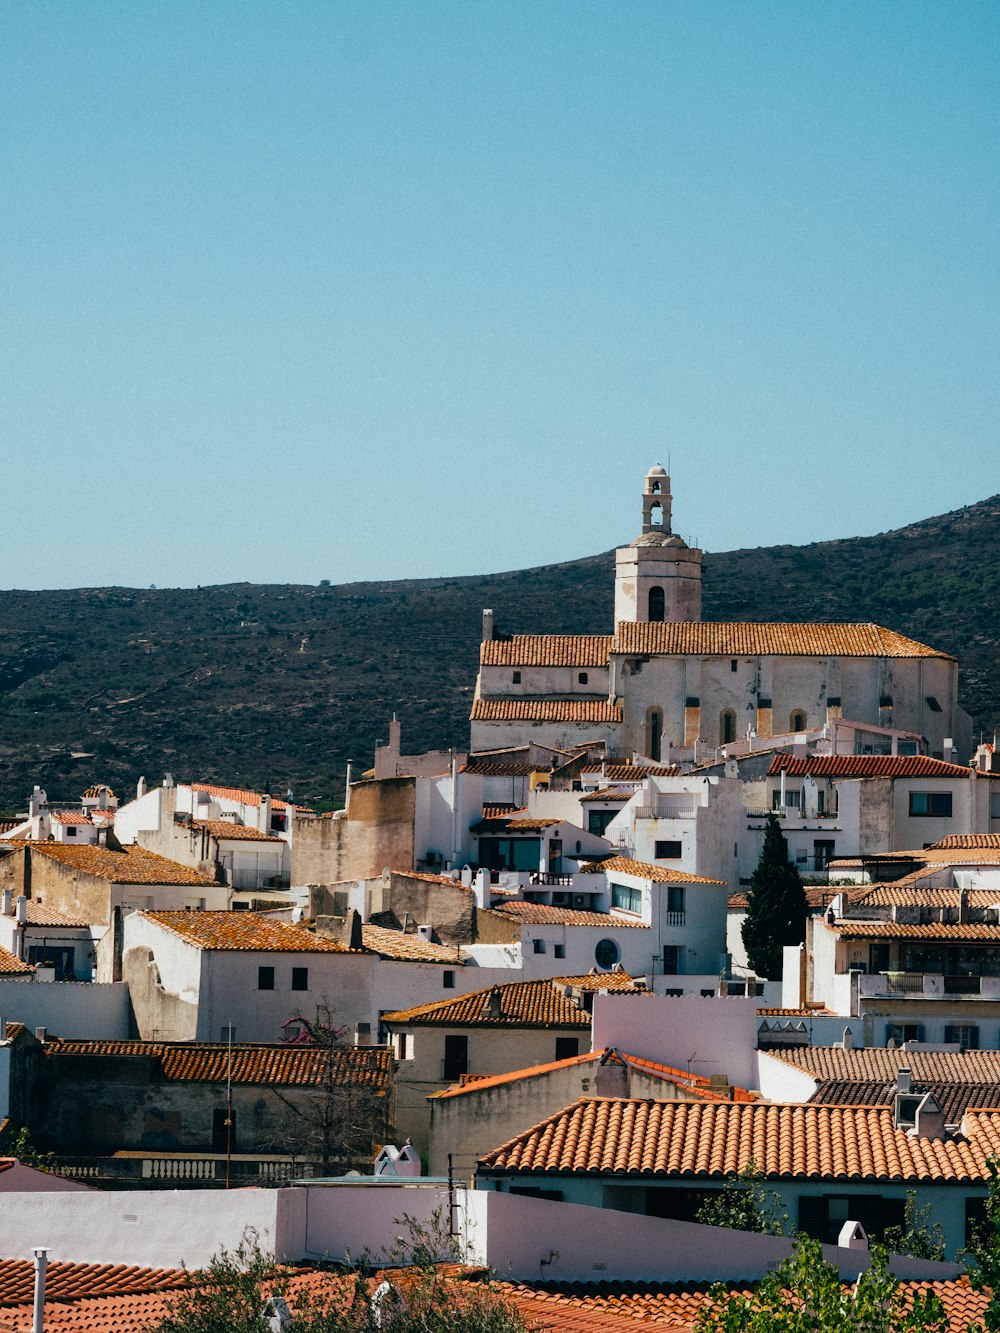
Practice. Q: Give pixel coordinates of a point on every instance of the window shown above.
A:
(792, 799)
(228, 1034)
(403, 1045)
(607, 953)
(797, 721)
(671, 960)
(456, 1057)
(627, 898)
(965, 1035)
(559, 950)
(567, 1047)
(657, 604)
(582, 678)
(654, 732)
(300, 978)
(733, 665)
(537, 946)
(727, 726)
(822, 1216)
(885, 701)
(932, 703)
(448, 980)
(598, 821)
(71, 833)
(675, 897)
(668, 850)
(931, 804)
(516, 678)
(900, 1032)
(823, 852)
(265, 978)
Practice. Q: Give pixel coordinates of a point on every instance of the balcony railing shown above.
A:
(676, 918)
(251, 880)
(904, 983)
(551, 877)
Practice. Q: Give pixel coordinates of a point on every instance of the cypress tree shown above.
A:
(776, 914)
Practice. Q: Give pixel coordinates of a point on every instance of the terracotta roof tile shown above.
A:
(632, 772)
(128, 865)
(624, 865)
(865, 766)
(40, 915)
(500, 768)
(64, 1281)
(709, 1140)
(246, 797)
(243, 930)
(901, 930)
(608, 794)
(908, 892)
(966, 841)
(575, 650)
(541, 914)
(519, 1004)
(394, 944)
(71, 817)
(817, 895)
(287, 1064)
(767, 639)
(225, 828)
(545, 710)
(597, 981)
(514, 823)
(11, 966)
(954, 1099)
(873, 1063)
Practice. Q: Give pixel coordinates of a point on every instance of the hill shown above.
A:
(271, 686)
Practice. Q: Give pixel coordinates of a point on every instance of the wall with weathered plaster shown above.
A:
(68, 1008)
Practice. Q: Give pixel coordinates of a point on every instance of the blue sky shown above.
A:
(293, 291)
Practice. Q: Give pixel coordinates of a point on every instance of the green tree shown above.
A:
(983, 1255)
(743, 1204)
(805, 1293)
(918, 1237)
(776, 914)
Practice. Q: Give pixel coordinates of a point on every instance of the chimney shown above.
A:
(488, 626)
(38, 1310)
(848, 1042)
(482, 888)
(904, 1079)
(41, 1034)
(140, 789)
(928, 1121)
(395, 737)
(963, 906)
(3, 1029)
(8, 901)
(21, 914)
(265, 814)
(351, 935)
(611, 1078)
(494, 1003)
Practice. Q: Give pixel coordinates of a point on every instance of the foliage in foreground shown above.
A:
(805, 1293)
(743, 1204)
(245, 1291)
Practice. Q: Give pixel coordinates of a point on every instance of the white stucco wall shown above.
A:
(76, 1009)
(707, 1036)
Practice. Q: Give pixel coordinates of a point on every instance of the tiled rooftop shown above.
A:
(880, 1063)
(243, 930)
(624, 865)
(244, 796)
(545, 710)
(514, 823)
(74, 817)
(908, 892)
(954, 1099)
(288, 1064)
(956, 842)
(573, 650)
(519, 1004)
(67, 1281)
(225, 828)
(11, 966)
(631, 772)
(615, 794)
(500, 768)
(865, 766)
(900, 930)
(394, 944)
(541, 914)
(817, 895)
(40, 915)
(748, 639)
(712, 1140)
(128, 865)
(597, 981)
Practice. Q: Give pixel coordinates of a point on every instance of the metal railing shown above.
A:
(257, 879)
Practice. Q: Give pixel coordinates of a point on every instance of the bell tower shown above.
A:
(658, 576)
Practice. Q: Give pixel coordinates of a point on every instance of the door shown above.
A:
(456, 1058)
(555, 856)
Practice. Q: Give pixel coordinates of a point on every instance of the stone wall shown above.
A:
(376, 831)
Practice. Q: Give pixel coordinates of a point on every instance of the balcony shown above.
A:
(675, 918)
(666, 809)
(927, 985)
(252, 880)
(144, 1169)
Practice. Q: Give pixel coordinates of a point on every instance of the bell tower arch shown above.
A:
(657, 576)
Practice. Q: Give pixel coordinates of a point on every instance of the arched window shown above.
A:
(655, 488)
(797, 721)
(654, 733)
(727, 726)
(657, 603)
(656, 515)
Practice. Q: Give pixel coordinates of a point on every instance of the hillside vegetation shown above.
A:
(272, 686)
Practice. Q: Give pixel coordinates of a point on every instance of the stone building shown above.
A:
(666, 681)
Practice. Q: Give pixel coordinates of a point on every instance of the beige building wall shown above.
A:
(375, 831)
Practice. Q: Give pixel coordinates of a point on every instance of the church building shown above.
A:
(666, 682)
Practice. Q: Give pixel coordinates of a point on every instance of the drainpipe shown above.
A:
(41, 1264)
